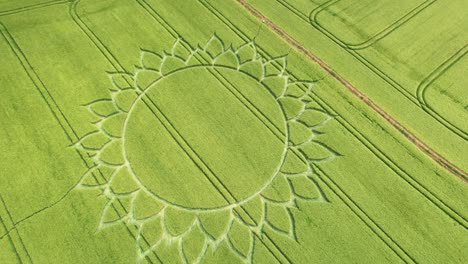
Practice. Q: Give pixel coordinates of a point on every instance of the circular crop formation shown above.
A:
(200, 143)
(210, 128)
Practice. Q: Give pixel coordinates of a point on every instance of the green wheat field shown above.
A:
(233, 131)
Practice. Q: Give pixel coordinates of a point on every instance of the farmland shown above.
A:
(281, 131)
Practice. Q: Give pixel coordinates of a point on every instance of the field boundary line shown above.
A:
(427, 150)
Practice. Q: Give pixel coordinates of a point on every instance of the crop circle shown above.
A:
(218, 152)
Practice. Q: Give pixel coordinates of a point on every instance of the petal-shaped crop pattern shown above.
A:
(121, 81)
(214, 47)
(178, 222)
(247, 52)
(280, 218)
(161, 223)
(150, 60)
(241, 239)
(145, 205)
(194, 245)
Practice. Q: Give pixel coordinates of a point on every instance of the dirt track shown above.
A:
(427, 150)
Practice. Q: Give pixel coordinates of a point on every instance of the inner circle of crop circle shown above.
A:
(195, 145)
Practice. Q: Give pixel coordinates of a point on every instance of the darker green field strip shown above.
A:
(27, 77)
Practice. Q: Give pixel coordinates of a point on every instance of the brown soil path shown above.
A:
(426, 149)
